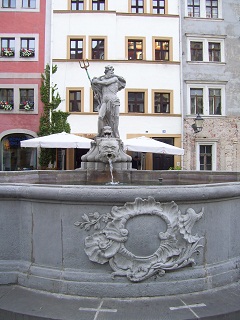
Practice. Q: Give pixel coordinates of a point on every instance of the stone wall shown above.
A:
(225, 132)
(43, 247)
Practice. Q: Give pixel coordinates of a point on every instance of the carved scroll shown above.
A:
(177, 244)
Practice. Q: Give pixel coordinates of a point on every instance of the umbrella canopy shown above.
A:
(58, 140)
(145, 144)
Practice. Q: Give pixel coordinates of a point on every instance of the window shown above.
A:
(9, 3)
(135, 49)
(137, 6)
(214, 51)
(158, 6)
(196, 51)
(161, 48)
(196, 96)
(77, 5)
(7, 47)
(6, 99)
(15, 158)
(208, 99)
(205, 157)
(161, 102)
(212, 8)
(19, 97)
(215, 101)
(136, 102)
(193, 8)
(27, 47)
(96, 102)
(75, 101)
(206, 50)
(206, 154)
(26, 99)
(98, 5)
(97, 50)
(76, 48)
(29, 4)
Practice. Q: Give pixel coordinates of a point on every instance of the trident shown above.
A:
(84, 64)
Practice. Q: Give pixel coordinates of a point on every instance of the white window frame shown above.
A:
(206, 87)
(20, 8)
(201, 142)
(205, 41)
(17, 38)
(203, 10)
(16, 97)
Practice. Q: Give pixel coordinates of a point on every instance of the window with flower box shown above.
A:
(27, 47)
(26, 99)
(158, 7)
(9, 3)
(20, 5)
(77, 4)
(8, 47)
(29, 4)
(6, 99)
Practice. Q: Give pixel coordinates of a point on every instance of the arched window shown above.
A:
(15, 158)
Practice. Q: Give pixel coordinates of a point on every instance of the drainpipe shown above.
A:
(51, 54)
(181, 77)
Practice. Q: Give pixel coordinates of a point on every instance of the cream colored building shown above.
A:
(141, 42)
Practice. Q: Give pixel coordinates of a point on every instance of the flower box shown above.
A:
(27, 53)
(27, 106)
(7, 52)
(4, 105)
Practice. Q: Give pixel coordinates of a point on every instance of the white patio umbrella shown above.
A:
(58, 140)
(145, 144)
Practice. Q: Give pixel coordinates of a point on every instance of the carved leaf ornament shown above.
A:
(177, 244)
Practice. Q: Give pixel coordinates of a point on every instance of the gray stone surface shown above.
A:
(42, 249)
(18, 303)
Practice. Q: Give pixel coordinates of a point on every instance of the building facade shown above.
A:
(23, 59)
(140, 39)
(179, 59)
(210, 76)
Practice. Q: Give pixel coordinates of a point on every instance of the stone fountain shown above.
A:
(122, 240)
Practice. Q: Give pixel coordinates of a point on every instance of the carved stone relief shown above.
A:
(107, 243)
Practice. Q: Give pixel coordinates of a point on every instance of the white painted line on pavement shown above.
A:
(97, 310)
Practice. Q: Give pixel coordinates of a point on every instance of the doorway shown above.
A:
(163, 161)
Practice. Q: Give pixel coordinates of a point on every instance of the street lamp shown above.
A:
(198, 124)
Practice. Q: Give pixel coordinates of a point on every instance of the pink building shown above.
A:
(24, 37)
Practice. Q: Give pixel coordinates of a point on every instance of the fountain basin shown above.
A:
(41, 248)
